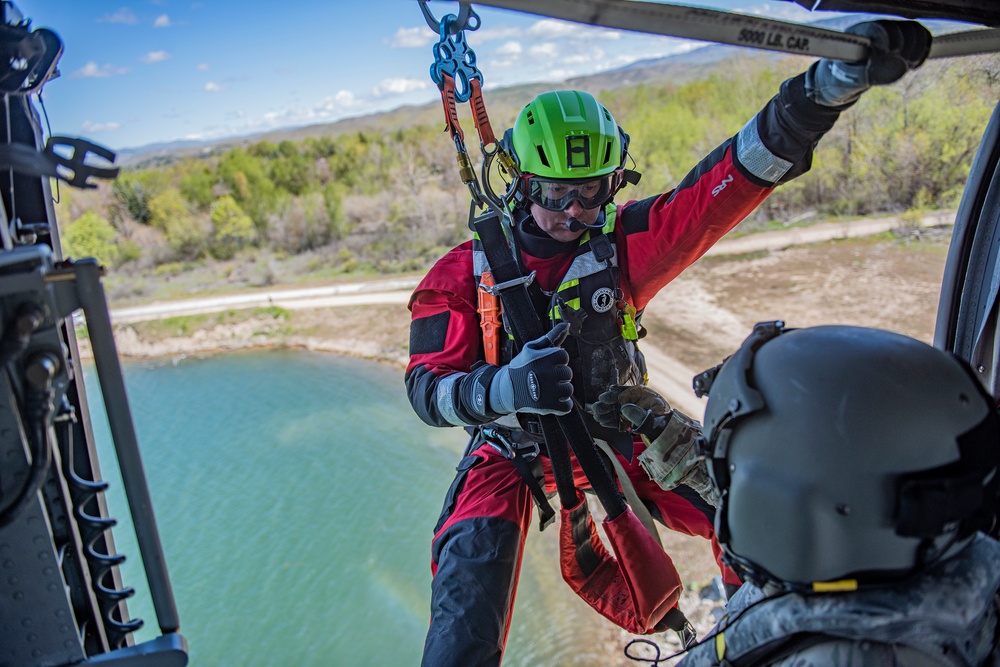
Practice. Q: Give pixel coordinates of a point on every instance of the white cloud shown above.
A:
(155, 57)
(589, 56)
(94, 71)
(544, 50)
(412, 38)
(341, 101)
(492, 34)
(212, 87)
(90, 127)
(555, 29)
(509, 49)
(399, 86)
(123, 15)
(203, 67)
(162, 21)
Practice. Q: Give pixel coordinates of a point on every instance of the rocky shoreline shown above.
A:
(323, 330)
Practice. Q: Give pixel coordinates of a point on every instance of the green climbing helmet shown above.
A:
(566, 134)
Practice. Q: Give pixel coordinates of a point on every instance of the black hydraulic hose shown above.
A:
(38, 408)
(40, 445)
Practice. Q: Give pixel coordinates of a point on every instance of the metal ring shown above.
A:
(456, 24)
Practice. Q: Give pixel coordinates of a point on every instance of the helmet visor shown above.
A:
(557, 194)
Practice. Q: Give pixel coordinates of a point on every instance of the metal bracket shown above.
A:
(506, 447)
(495, 290)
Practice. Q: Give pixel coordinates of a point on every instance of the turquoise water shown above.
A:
(295, 495)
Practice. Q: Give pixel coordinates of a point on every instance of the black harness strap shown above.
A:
(527, 326)
(546, 515)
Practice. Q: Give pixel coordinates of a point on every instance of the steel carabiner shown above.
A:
(467, 19)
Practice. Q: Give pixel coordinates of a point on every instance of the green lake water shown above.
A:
(296, 494)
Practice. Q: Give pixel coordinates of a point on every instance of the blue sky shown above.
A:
(135, 72)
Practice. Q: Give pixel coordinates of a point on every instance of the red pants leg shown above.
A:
(682, 509)
(476, 560)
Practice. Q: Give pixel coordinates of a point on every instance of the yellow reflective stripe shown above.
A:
(720, 646)
(569, 283)
(835, 586)
(556, 314)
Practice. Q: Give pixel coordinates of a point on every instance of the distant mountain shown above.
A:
(503, 103)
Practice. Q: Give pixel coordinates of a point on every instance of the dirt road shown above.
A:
(695, 321)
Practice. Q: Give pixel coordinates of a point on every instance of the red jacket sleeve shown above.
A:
(665, 234)
(445, 345)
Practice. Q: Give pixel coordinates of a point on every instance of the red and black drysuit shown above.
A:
(479, 538)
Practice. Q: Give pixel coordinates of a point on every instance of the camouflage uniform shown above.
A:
(946, 616)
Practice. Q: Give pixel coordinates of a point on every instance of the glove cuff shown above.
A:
(474, 391)
(501, 392)
(835, 83)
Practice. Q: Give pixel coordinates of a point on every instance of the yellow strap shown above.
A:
(835, 586)
(720, 646)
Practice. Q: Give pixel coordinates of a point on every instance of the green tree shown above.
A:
(186, 233)
(90, 235)
(196, 186)
(131, 197)
(232, 229)
(291, 173)
(333, 199)
(248, 179)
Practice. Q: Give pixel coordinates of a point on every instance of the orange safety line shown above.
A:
(480, 116)
(450, 112)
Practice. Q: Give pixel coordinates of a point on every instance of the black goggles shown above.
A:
(555, 194)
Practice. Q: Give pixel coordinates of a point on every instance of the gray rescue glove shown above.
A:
(538, 380)
(896, 48)
(607, 409)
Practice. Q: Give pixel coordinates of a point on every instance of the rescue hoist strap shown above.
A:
(724, 27)
(524, 320)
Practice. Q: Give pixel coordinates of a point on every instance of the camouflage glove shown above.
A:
(607, 409)
(671, 459)
(896, 48)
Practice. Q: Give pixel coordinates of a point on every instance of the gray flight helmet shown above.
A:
(846, 453)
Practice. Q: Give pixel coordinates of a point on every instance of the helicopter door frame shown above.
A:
(969, 307)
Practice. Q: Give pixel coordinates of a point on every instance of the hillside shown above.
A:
(693, 65)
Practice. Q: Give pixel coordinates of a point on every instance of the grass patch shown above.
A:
(184, 326)
(712, 260)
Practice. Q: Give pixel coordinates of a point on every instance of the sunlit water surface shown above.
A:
(295, 495)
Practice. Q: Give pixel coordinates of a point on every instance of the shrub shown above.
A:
(90, 235)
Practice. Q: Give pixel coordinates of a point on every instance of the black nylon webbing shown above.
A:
(527, 326)
(557, 430)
